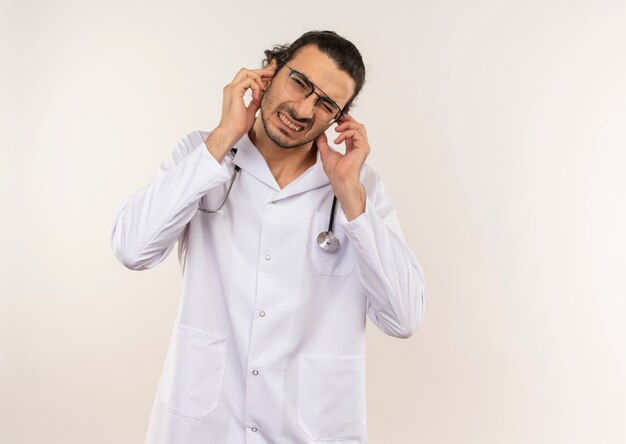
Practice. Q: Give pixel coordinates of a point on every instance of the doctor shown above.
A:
(269, 343)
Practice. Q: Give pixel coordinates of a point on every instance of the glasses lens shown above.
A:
(327, 109)
(298, 85)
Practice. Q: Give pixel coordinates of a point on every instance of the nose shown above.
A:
(305, 108)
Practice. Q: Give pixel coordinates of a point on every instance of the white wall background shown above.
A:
(499, 128)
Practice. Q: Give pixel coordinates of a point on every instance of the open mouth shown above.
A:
(291, 125)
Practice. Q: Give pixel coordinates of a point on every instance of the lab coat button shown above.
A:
(274, 202)
(261, 313)
(255, 372)
(267, 257)
(254, 429)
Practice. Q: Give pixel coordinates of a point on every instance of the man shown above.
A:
(269, 344)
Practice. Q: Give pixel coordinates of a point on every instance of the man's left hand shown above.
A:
(343, 169)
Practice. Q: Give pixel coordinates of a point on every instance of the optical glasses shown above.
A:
(300, 87)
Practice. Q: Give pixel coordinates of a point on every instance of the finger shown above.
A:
(348, 134)
(262, 76)
(352, 125)
(257, 96)
(325, 150)
(348, 125)
(264, 72)
(347, 118)
(266, 76)
(247, 83)
(321, 142)
(252, 108)
(342, 126)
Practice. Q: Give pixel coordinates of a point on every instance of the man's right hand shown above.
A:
(237, 119)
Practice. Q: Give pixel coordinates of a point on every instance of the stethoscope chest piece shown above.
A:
(328, 241)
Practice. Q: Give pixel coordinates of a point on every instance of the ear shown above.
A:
(272, 64)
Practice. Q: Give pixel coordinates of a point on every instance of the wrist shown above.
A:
(219, 142)
(352, 198)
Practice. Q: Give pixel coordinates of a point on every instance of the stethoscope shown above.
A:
(326, 239)
(230, 187)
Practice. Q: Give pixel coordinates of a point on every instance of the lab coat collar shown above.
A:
(250, 159)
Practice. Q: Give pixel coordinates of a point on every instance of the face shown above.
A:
(292, 123)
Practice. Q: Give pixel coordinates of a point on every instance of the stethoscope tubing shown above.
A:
(230, 187)
(326, 239)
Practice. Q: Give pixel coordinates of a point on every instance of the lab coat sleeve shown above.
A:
(151, 220)
(389, 272)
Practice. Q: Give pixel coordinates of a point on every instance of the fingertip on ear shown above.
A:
(272, 65)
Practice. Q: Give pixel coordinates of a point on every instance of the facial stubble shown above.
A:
(278, 137)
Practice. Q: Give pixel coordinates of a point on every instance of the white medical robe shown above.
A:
(269, 343)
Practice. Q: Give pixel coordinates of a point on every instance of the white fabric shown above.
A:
(269, 343)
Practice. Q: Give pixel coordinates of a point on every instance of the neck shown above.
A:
(286, 164)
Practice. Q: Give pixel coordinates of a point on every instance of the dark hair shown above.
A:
(341, 51)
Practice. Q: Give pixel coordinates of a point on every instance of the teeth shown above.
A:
(289, 123)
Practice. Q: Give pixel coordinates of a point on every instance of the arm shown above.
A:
(149, 222)
(389, 272)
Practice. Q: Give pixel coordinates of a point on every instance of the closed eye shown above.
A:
(328, 106)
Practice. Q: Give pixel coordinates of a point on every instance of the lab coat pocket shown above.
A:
(336, 263)
(331, 397)
(193, 373)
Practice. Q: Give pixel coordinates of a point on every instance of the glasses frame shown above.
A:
(320, 97)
